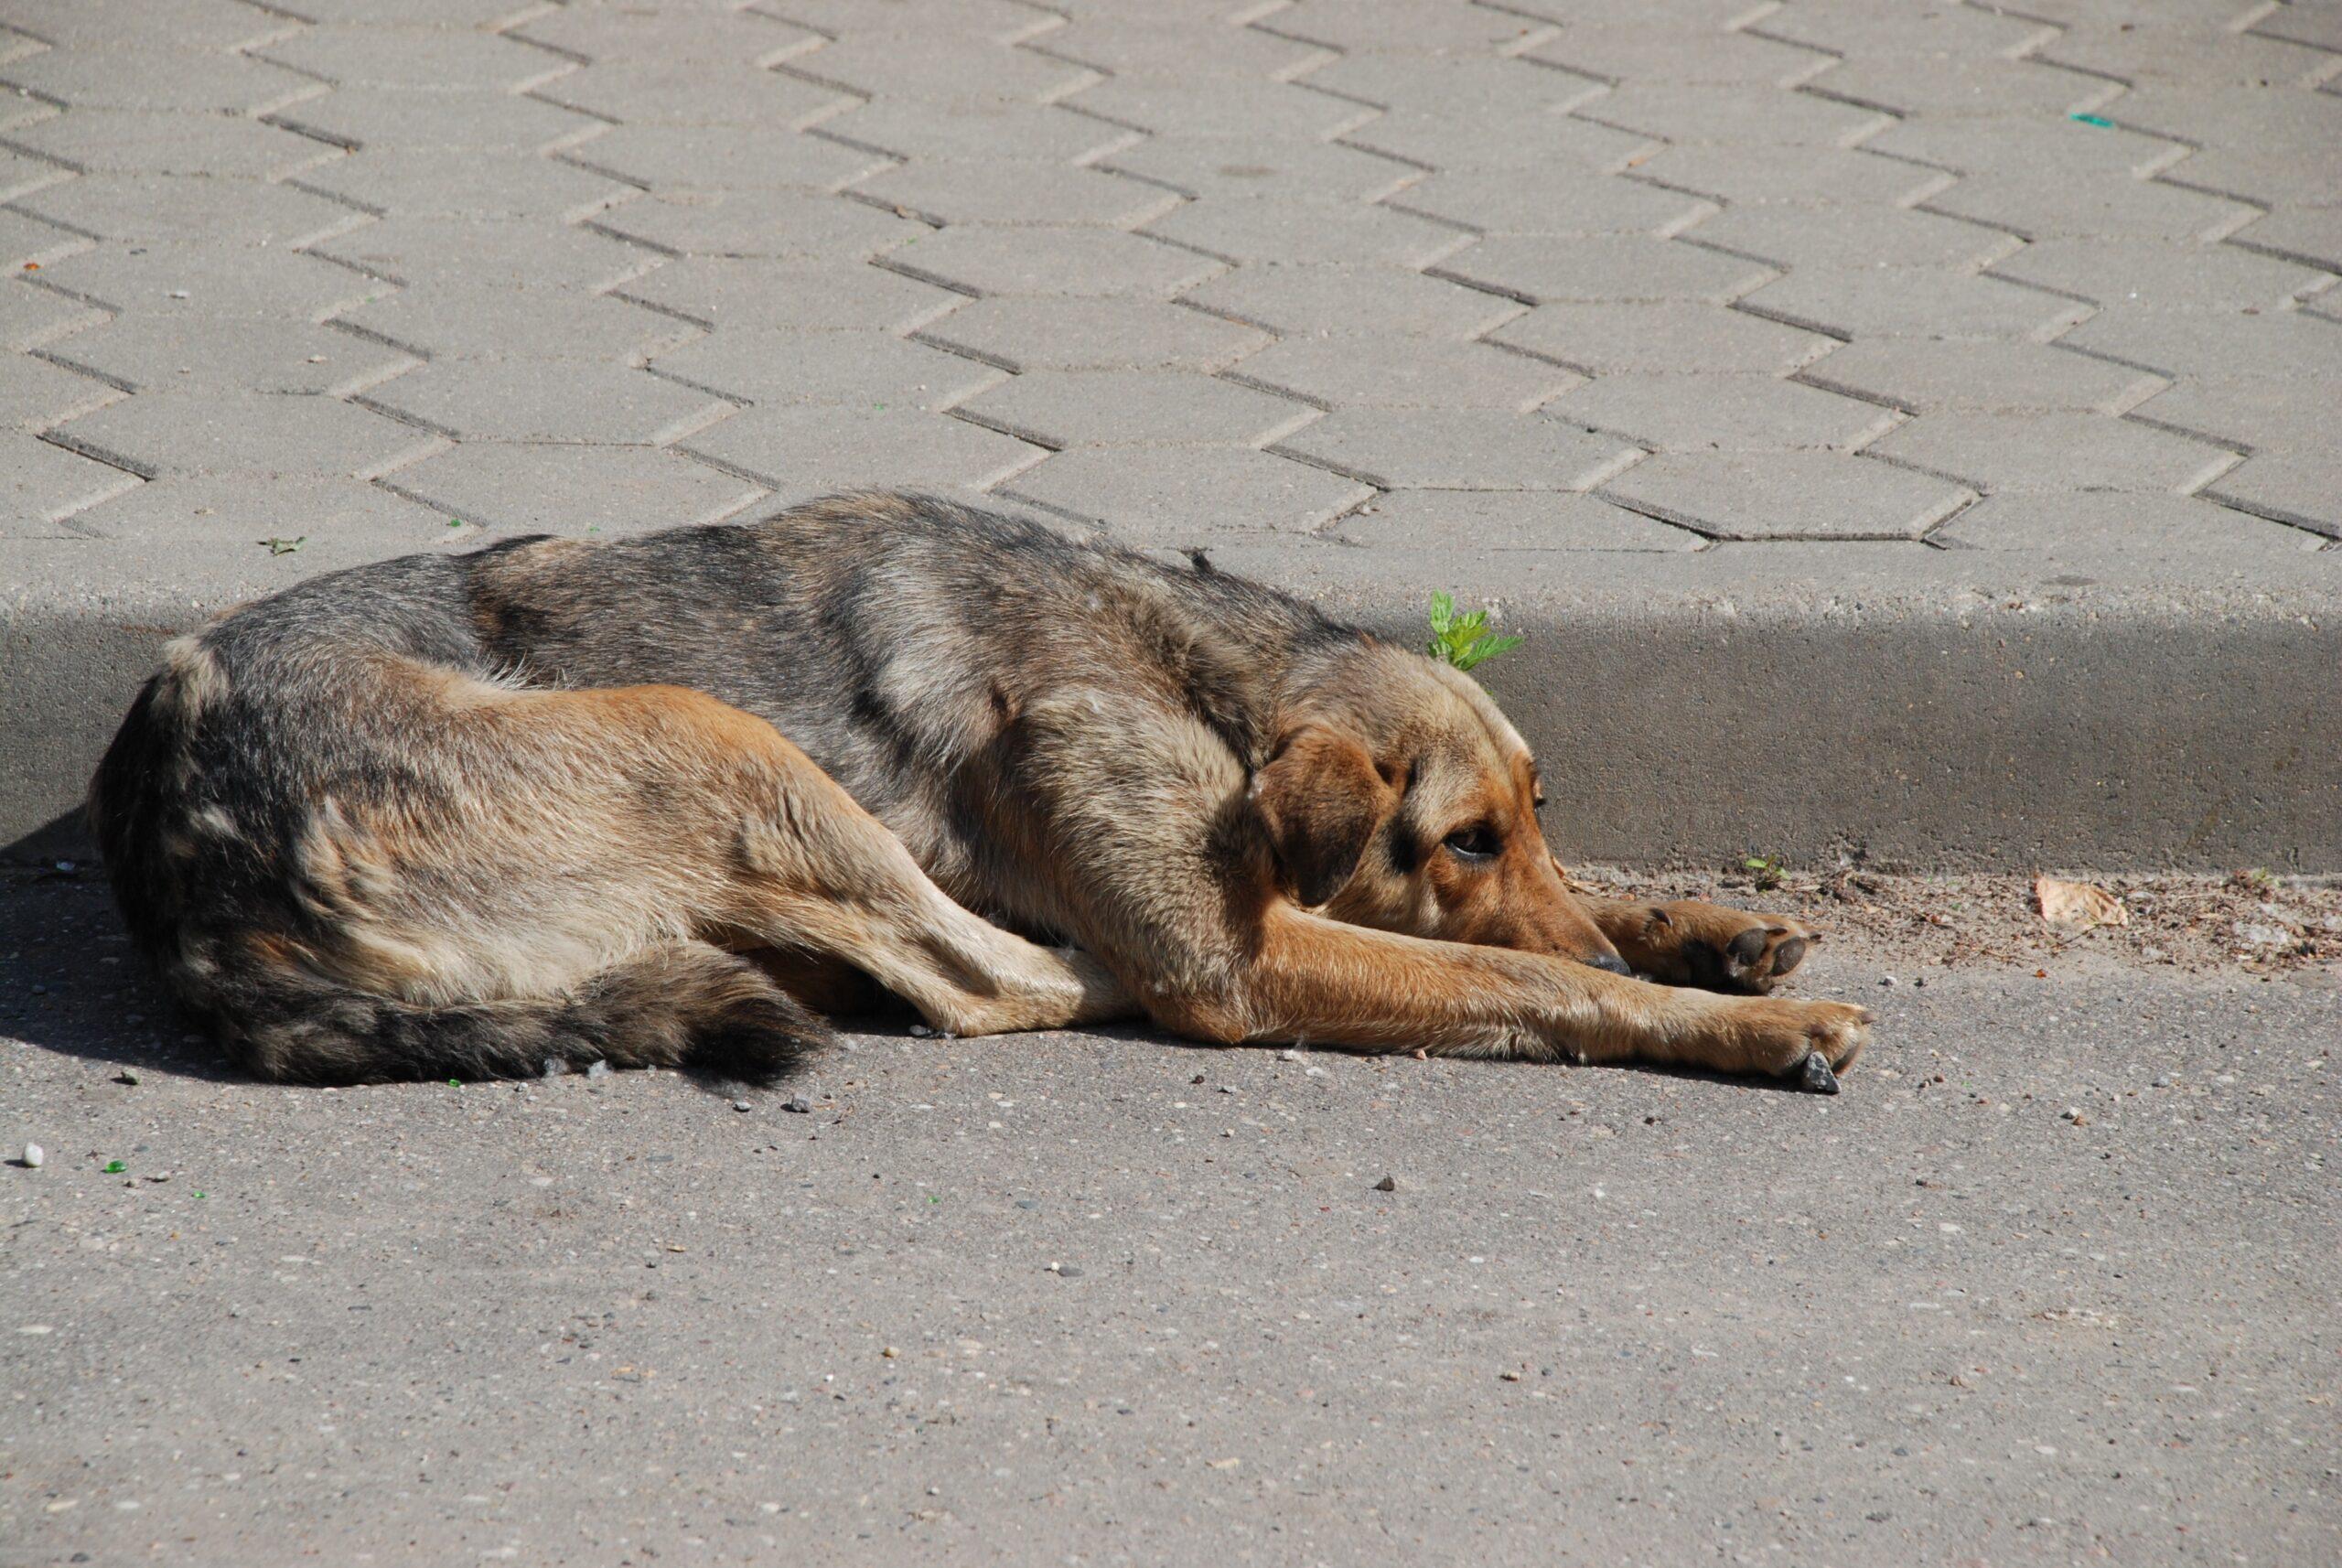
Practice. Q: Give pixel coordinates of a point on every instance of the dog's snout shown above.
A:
(1608, 961)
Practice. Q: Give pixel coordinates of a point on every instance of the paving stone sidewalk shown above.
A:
(1688, 292)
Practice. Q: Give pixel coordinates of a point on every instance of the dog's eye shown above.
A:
(1475, 843)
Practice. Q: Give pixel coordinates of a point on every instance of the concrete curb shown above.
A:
(1946, 710)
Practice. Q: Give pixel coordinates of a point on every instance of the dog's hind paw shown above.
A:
(1694, 943)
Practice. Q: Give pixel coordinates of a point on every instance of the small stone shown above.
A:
(35, 1156)
(799, 1106)
(890, 1352)
(126, 1076)
(1068, 1270)
(1921, 981)
(742, 1106)
(1887, 980)
(1510, 1376)
(2255, 934)
(1028, 1203)
(921, 1031)
(1388, 1184)
(597, 1069)
(2162, 1080)
(1288, 1055)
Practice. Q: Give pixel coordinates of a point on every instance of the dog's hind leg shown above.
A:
(811, 871)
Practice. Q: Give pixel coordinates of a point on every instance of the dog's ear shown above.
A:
(1321, 799)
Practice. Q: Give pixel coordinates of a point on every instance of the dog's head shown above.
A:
(1398, 797)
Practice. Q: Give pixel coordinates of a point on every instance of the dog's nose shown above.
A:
(1610, 961)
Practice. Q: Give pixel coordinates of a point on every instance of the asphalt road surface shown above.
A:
(2054, 1281)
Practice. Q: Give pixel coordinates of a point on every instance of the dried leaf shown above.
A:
(2077, 906)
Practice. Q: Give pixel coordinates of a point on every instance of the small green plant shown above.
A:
(1766, 873)
(1464, 640)
(285, 546)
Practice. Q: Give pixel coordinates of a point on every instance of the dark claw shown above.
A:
(1789, 955)
(1816, 1077)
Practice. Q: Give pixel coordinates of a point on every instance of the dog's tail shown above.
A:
(687, 1004)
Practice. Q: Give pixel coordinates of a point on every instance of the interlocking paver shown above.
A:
(942, 69)
(1321, 298)
(1906, 84)
(158, 353)
(40, 483)
(36, 395)
(139, 141)
(679, 160)
(1854, 27)
(1149, 496)
(863, 369)
(2281, 415)
(964, 133)
(1914, 301)
(1278, 170)
(1461, 449)
(1508, 520)
(450, 182)
(1601, 339)
(506, 253)
(1788, 494)
(1873, 236)
(1465, 136)
(841, 297)
(1017, 193)
(27, 244)
(1555, 199)
(2312, 234)
(549, 399)
(31, 315)
(1633, 46)
(2121, 526)
(421, 59)
(2196, 55)
(1386, 370)
(177, 208)
(987, 21)
(2044, 203)
(156, 77)
(1221, 109)
(812, 449)
(340, 521)
(457, 321)
(1726, 414)
(1266, 230)
(1749, 177)
(215, 280)
(790, 225)
(1676, 112)
(1992, 374)
(191, 25)
(1093, 334)
(207, 432)
(1436, 83)
(1137, 47)
(421, 122)
(2130, 275)
(2014, 144)
(2184, 343)
(1623, 267)
(655, 90)
(1135, 408)
(2303, 488)
(572, 490)
(24, 173)
(1405, 27)
(716, 34)
(1092, 263)
(2054, 452)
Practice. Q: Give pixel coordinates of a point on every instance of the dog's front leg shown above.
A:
(1317, 979)
(1689, 942)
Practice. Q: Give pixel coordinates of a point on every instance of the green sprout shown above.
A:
(1464, 640)
(285, 546)
(1766, 874)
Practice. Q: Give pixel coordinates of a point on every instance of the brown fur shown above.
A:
(466, 815)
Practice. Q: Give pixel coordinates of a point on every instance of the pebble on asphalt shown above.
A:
(1388, 1184)
(35, 1156)
(597, 1069)
(799, 1106)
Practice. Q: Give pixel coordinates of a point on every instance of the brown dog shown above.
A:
(547, 802)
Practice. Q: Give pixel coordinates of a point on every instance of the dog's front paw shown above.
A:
(1808, 1041)
(1692, 943)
